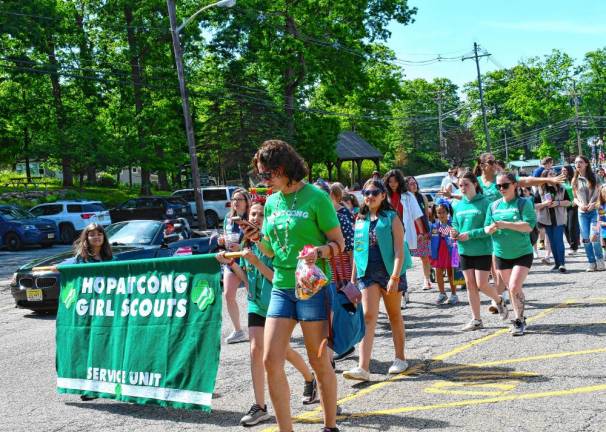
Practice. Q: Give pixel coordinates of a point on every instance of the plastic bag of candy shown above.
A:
(309, 277)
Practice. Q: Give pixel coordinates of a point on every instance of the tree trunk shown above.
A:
(68, 178)
(28, 172)
(162, 177)
(135, 68)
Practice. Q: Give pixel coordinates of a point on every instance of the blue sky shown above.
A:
(509, 30)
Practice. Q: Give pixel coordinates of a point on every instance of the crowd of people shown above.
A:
(485, 223)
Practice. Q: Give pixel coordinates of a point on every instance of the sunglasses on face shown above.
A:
(489, 162)
(369, 192)
(266, 175)
(238, 199)
(503, 186)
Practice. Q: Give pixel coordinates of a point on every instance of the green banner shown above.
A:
(145, 331)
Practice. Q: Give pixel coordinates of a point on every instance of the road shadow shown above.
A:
(392, 422)
(589, 329)
(546, 283)
(219, 418)
(43, 316)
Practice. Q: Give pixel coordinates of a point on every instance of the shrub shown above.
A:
(106, 180)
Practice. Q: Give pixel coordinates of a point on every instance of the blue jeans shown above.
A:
(285, 304)
(592, 249)
(555, 233)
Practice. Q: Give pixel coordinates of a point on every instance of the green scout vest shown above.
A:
(384, 240)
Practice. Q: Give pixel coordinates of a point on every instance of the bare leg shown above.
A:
(499, 283)
(453, 287)
(295, 359)
(516, 283)
(440, 280)
(256, 364)
(484, 286)
(370, 302)
(230, 284)
(277, 338)
(426, 270)
(313, 334)
(392, 306)
(472, 292)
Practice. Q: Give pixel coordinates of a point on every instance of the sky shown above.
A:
(509, 30)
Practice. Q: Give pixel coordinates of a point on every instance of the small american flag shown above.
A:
(444, 230)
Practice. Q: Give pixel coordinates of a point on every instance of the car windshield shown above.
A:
(14, 213)
(133, 232)
(432, 182)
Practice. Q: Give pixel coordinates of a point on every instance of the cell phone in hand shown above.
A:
(244, 223)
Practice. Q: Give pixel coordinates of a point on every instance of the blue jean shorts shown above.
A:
(378, 274)
(285, 304)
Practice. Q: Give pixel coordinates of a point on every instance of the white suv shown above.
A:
(216, 200)
(73, 216)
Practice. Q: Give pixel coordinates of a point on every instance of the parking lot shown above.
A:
(550, 379)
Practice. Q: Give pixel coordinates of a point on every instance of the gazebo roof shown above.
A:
(351, 146)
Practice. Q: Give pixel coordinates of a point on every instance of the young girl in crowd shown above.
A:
(573, 233)
(259, 274)
(240, 203)
(423, 250)
(586, 192)
(475, 248)
(509, 221)
(351, 202)
(441, 251)
(380, 272)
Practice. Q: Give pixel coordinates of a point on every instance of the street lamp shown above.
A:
(189, 127)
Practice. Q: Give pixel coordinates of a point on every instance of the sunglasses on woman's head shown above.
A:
(503, 186)
(369, 192)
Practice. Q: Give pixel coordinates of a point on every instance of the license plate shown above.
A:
(183, 210)
(33, 294)
(51, 236)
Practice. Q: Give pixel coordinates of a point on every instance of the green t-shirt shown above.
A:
(568, 188)
(259, 287)
(506, 243)
(469, 217)
(308, 219)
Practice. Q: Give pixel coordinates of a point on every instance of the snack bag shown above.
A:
(310, 278)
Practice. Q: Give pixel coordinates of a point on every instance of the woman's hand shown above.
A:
(310, 257)
(584, 208)
(490, 229)
(221, 258)
(234, 247)
(463, 237)
(249, 256)
(557, 180)
(251, 233)
(392, 286)
(454, 234)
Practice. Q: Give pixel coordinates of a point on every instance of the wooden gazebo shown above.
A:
(352, 147)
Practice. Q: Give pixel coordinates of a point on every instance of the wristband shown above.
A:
(394, 278)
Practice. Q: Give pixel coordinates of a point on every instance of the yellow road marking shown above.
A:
(469, 387)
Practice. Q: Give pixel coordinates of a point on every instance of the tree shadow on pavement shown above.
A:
(219, 418)
(590, 329)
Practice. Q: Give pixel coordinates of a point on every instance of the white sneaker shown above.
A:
(357, 374)
(592, 267)
(535, 254)
(474, 324)
(398, 366)
(600, 265)
(236, 337)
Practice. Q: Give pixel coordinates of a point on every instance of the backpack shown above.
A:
(534, 234)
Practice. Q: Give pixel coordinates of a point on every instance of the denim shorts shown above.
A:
(285, 304)
(378, 274)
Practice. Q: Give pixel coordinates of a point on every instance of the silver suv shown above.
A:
(216, 199)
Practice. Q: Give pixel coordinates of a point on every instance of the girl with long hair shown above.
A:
(572, 230)
(423, 250)
(296, 215)
(586, 194)
(509, 221)
(93, 245)
(380, 273)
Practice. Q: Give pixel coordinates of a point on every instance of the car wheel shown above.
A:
(67, 233)
(13, 242)
(212, 219)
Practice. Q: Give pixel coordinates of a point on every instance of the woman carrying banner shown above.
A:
(296, 215)
(92, 247)
(259, 274)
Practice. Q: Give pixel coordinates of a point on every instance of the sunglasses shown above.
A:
(238, 199)
(373, 192)
(266, 175)
(503, 186)
(489, 162)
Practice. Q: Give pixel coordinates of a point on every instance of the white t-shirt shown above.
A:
(411, 212)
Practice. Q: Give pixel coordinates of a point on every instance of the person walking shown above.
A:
(380, 273)
(423, 249)
(509, 221)
(259, 274)
(572, 230)
(297, 214)
(441, 252)
(602, 214)
(475, 248)
(551, 203)
(586, 193)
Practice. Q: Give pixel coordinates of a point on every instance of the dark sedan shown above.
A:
(139, 239)
(152, 208)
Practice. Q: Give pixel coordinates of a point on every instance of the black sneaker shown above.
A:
(255, 415)
(327, 429)
(87, 398)
(562, 269)
(344, 355)
(518, 326)
(310, 392)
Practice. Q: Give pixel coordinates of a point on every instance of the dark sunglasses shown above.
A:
(266, 175)
(490, 162)
(373, 192)
(503, 186)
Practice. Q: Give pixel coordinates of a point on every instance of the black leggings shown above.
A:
(573, 231)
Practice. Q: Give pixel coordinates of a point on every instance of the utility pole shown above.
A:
(477, 59)
(576, 116)
(506, 147)
(189, 127)
(443, 148)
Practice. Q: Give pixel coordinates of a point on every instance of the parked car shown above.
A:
(19, 228)
(429, 184)
(216, 199)
(73, 216)
(152, 208)
(130, 240)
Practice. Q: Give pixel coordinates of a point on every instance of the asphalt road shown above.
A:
(550, 379)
